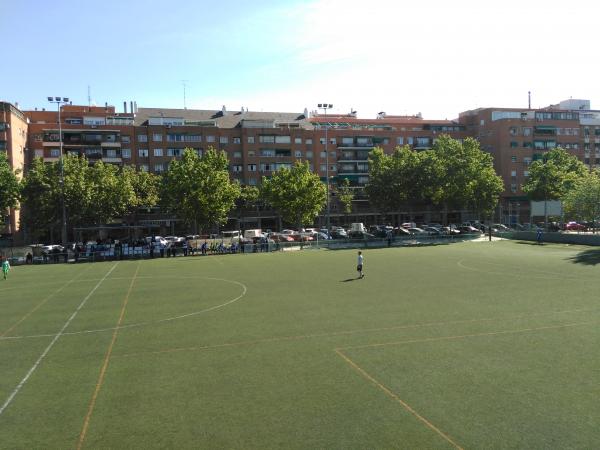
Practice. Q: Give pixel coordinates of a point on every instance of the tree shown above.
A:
(296, 193)
(146, 188)
(198, 189)
(10, 188)
(39, 200)
(582, 201)
(551, 177)
(112, 193)
(249, 196)
(345, 194)
(463, 175)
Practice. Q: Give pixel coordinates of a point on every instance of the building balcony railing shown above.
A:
(356, 145)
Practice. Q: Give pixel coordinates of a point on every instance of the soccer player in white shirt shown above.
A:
(359, 265)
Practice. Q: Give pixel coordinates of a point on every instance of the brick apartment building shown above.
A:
(259, 143)
(13, 141)
(517, 137)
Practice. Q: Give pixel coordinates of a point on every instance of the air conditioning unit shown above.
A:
(168, 125)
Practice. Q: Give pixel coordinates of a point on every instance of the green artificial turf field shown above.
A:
(469, 345)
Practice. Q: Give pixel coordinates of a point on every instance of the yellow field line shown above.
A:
(395, 397)
(39, 305)
(344, 333)
(86, 422)
(463, 336)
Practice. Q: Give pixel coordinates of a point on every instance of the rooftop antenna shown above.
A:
(529, 99)
(184, 85)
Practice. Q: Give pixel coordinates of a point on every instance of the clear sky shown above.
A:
(437, 57)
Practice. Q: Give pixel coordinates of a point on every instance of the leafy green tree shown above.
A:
(463, 175)
(146, 188)
(296, 193)
(10, 187)
(112, 193)
(345, 195)
(395, 180)
(551, 177)
(40, 200)
(198, 189)
(582, 201)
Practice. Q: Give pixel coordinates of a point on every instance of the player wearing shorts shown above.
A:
(359, 265)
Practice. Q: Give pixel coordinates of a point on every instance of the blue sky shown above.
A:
(434, 57)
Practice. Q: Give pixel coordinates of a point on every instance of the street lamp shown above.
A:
(60, 101)
(325, 107)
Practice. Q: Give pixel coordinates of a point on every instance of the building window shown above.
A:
(309, 142)
(252, 181)
(39, 153)
(54, 152)
(210, 139)
(267, 152)
(266, 139)
(322, 141)
(237, 140)
(143, 167)
(526, 173)
(513, 131)
(514, 144)
(111, 153)
(410, 140)
(237, 168)
(385, 141)
(527, 160)
(142, 138)
(158, 152)
(192, 138)
(333, 168)
(237, 154)
(323, 168)
(265, 167)
(126, 153)
(250, 139)
(332, 141)
(513, 187)
(527, 145)
(143, 152)
(323, 154)
(173, 152)
(298, 154)
(513, 159)
(297, 140)
(157, 137)
(400, 140)
(158, 168)
(223, 140)
(251, 167)
(125, 139)
(513, 173)
(283, 140)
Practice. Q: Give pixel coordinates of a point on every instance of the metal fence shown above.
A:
(111, 252)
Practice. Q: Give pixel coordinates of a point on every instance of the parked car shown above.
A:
(432, 231)
(338, 233)
(468, 229)
(449, 231)
(574, 226)
(401, 231)
(416, 230)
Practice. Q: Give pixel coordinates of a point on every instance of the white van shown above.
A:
(253, 235)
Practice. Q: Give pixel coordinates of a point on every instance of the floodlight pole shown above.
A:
(59, 101)
(325, 107)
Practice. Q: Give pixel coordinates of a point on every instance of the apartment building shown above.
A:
(13, 141)
(518, 136)
(99, 133)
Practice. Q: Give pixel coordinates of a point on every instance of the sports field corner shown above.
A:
(467, 345)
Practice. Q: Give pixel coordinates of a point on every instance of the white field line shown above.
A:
(56, 337)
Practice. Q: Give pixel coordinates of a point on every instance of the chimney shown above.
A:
(529, 99)
(131, 107)
(224, 110)
(306, 113)
(125, 107)
(135, 106)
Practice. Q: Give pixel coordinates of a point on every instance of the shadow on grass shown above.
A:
(349, 279)
(588, 257)
(530, 243)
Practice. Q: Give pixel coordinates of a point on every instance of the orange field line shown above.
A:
(343, 333)
(395, 397)
(39, 305)
(86, 422)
